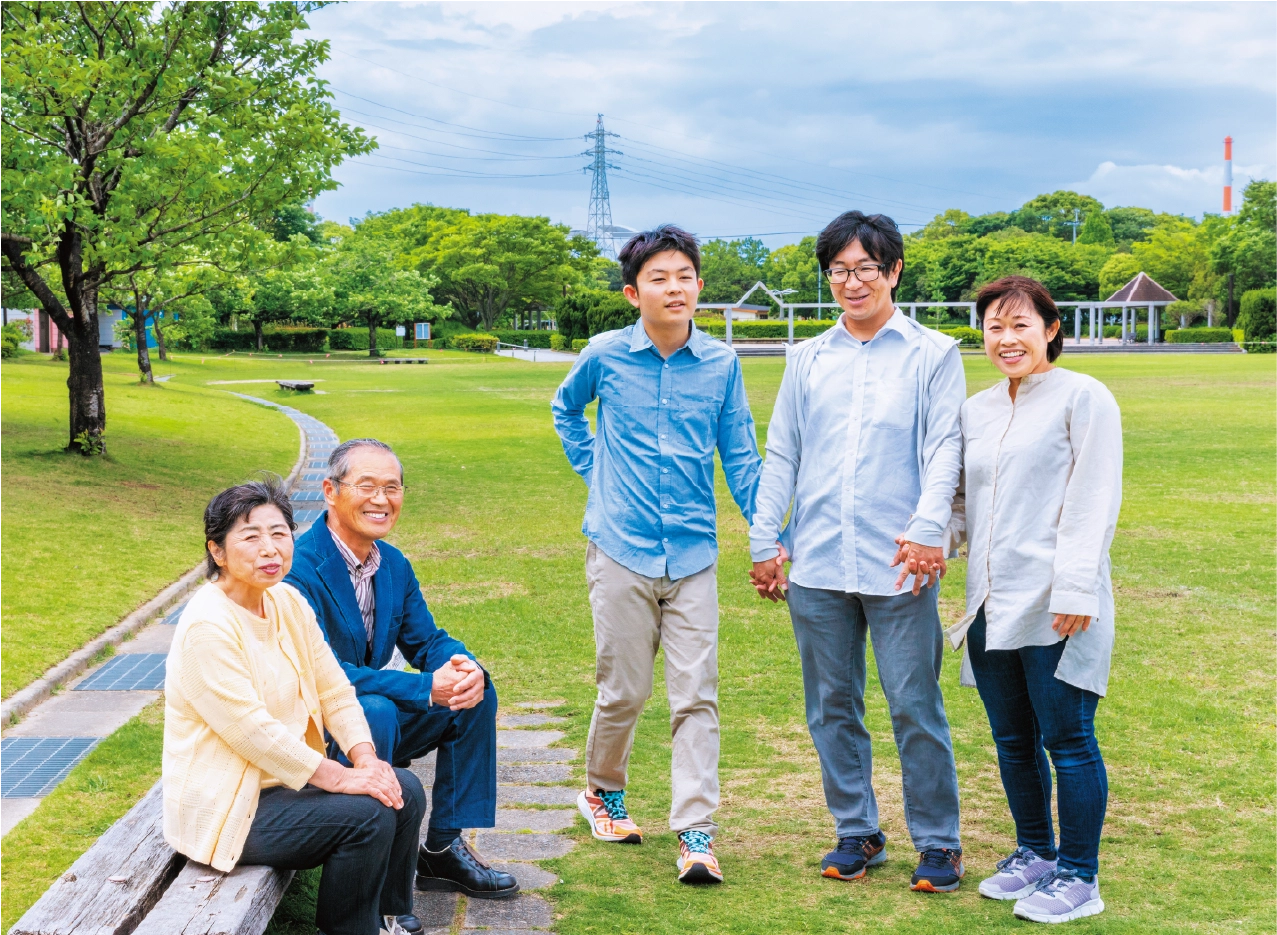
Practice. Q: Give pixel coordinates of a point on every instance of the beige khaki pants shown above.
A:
(634, 616)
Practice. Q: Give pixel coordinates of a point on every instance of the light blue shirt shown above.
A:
(650, 464)
(865, 444)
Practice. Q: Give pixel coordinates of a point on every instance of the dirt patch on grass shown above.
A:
(471, 592)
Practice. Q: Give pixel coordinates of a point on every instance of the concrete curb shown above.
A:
(23, 700)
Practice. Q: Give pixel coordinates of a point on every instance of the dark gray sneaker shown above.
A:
(1018, 875)
(1061, 897)
(939, 870)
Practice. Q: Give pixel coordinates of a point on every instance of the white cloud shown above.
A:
(1172, 189)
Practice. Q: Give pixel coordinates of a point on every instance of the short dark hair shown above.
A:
(1030, 292)
(877, 233)
(228, 507)
(643, 246)
(339, 460)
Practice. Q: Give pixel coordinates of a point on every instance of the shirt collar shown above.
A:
(895, 323)
(369, 565)
(695, 340)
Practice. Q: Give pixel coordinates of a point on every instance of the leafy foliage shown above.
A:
(1258, 318)
(484, 343)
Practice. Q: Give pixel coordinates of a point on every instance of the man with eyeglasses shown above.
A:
(369, 604)
(864, 445)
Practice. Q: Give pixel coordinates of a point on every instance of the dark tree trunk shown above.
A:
(143, 352)
(159, 337)
(84, 383)
(372, 335)
(257, 332)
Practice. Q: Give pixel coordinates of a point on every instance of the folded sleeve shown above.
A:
(215, 678)
(1092, 501)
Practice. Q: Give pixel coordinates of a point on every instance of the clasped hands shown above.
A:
(457, 684)
(926, 564)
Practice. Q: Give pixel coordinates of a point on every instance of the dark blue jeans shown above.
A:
(1033, 713)
(465, 790)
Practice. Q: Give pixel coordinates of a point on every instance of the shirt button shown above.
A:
(664, 402)
(667, 366)
(665, 540)
(665, 470)
(663, 435)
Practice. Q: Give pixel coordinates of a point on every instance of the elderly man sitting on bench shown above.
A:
(369, 603)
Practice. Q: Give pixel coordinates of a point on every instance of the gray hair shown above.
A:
(339, 460)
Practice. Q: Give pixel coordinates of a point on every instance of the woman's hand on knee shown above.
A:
(369, 776)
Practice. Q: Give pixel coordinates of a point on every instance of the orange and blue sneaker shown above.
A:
(607, 817)
(854, 855)
(940, 870)
(696, 860)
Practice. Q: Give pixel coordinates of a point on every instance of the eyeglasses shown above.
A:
(863, 273)
(368, 491)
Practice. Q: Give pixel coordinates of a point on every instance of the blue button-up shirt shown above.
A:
(650, 464)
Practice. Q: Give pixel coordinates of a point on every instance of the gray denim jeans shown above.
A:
(831, 628)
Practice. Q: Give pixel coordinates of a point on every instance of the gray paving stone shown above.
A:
(552, 772)
(535, 754)
(500, 844)
(536, 795)
(526, 819)
(528, 738)
(539, 704)
(530, 876)
(14, 810)
(521, 913)
(528, 720)
(435, 910)
(153, 639)
(82, 714)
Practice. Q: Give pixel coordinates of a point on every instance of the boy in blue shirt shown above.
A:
(668, 395)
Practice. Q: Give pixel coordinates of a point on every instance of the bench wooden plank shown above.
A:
(203, 901)
(300, 385)
(115, 883)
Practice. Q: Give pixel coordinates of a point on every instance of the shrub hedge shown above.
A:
(356, 339)
(534, 338)
(578, 344)
(966, 335)
(483, 343)
(303, 340)
(1198, 336)
(803, 328)
(556, 341)
(1258, 315)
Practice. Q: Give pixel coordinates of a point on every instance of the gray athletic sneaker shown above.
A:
(1017, 876)
(1061, 897)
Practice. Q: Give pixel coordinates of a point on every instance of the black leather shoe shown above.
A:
(459, 870)
(410, 924)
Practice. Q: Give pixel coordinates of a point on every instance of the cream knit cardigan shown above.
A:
(219, 739)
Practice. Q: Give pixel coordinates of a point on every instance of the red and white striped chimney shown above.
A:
(1228, 175)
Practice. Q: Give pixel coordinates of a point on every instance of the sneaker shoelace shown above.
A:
(853, 846)
(1020, 858)
(937, 858)
(1057, 882)
(614, 802)
(697, 841)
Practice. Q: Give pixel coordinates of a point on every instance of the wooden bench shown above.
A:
(132, 883)
(301, 386)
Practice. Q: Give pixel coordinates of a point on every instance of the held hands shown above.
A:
(368, 776)
(926, 563)
(768, 577)
(457, 684)
(1068, 624)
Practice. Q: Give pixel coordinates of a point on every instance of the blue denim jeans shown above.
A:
(832, 628)
(1033, 713)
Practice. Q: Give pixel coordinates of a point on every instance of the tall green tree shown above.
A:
(1052, 214)
(794, 266)
(369, 285)
(730, 267)
(136, 129)
(1247, 247)
(1096, 230)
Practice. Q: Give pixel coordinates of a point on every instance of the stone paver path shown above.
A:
(526, 765)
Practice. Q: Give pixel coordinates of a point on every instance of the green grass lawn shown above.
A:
(492, 523)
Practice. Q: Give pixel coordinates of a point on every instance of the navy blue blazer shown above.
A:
(401, 619)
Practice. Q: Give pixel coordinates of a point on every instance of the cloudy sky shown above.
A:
(769, 118)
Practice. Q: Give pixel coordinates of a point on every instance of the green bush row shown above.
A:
(356, 339)
(302, 340)
(578, 344)
(966, 335)
(1258, 314)
(534, 338)
(803, 328)
(1198, 336)
(483, 343)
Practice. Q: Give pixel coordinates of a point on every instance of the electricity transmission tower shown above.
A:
(598, 227)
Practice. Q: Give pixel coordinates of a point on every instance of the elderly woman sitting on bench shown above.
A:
(252, 686)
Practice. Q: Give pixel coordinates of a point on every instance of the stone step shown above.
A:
(505, 846)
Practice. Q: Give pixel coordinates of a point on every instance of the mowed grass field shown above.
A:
(492, 523)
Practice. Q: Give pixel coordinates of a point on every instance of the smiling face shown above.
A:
(258, 551)
(359, 519)
(1016, 338)
(666, 289)
(864, 301)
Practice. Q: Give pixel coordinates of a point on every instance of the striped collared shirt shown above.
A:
(361, 578)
